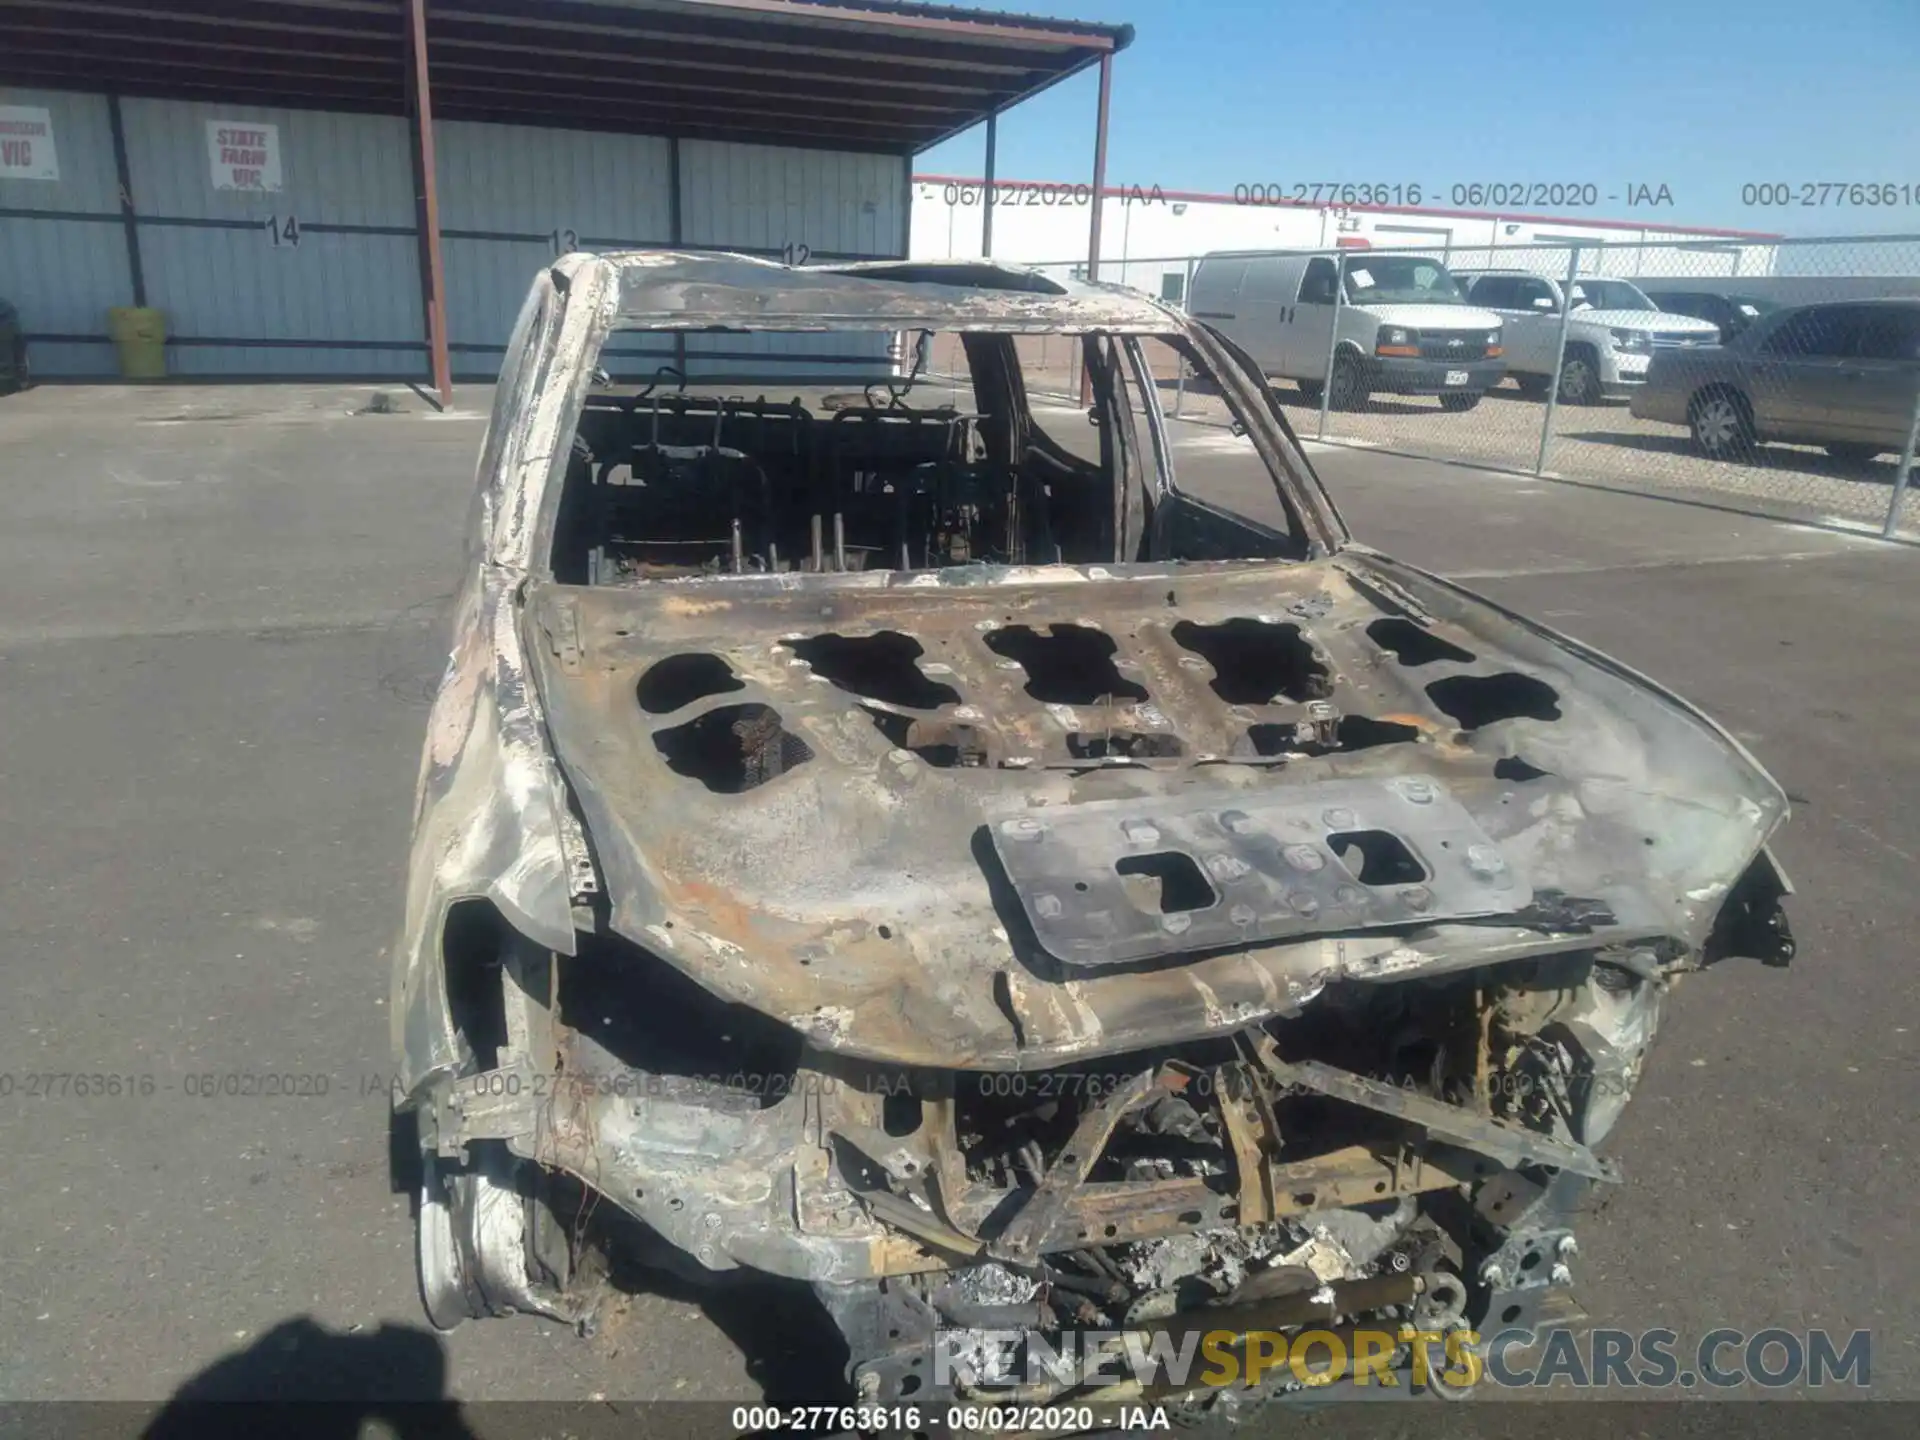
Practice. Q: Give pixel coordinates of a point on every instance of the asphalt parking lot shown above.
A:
(221, 617)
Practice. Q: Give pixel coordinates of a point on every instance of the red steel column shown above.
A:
(986, 197)
(1099, 167)
(1099, 197)
(430, 206)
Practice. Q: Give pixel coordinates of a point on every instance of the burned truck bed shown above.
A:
(866, 840)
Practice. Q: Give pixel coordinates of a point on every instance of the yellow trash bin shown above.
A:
(140, 335)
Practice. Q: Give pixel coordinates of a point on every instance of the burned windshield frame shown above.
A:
(1326, 532)
(984, 467)
(1136, 464)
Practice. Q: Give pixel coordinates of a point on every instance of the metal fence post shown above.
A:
(1906, 469)
(1333, 342)
(1186, 306)
(1559, 359)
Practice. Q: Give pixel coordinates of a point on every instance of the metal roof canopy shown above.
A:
(867, 75)
(836, 74)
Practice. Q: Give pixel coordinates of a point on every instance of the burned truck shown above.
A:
(961, 837)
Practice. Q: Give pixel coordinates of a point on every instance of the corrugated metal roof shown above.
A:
(833, 74)
(1122, 34)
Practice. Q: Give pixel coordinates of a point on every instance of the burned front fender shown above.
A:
(491, 817)
(488, 814)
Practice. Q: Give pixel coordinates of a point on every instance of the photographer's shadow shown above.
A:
(303, 1380)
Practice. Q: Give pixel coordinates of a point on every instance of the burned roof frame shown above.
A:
(669, 290)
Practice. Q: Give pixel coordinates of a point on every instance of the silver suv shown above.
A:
(1612, 333)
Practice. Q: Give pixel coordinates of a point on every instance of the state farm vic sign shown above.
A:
(26, 144)
(244, 154)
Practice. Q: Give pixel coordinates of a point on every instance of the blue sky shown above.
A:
(1700, 95)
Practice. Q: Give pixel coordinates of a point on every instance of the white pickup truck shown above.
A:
(1612, 333)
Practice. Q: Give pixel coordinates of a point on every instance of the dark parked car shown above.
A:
(1841, 375)
(1732, 311)
(13, 351)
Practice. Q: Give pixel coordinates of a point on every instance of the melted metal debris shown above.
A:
(1219, 1258)
(994, 1284)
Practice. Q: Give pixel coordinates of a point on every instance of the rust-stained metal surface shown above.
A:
(778, 896)
(979, 879)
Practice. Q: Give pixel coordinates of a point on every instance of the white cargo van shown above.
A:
(1404, 326)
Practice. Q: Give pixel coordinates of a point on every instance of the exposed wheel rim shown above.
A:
(1716, 424)
(1576, 381)
(443, 1288)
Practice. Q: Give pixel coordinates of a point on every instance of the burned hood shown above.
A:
(994, 817)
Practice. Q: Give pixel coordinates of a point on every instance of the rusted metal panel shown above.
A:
(1510, 1144)
(1272, 864)
(736, 874)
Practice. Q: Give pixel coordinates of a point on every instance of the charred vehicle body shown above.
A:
(927, 851)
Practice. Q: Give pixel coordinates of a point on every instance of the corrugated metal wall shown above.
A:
(63, 248)
(346, 298)
(512, 197)
(794, 205)
(760, 198)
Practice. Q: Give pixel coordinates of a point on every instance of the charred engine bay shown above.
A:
(1410, 1152)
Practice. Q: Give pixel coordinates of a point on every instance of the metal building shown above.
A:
(364, 187)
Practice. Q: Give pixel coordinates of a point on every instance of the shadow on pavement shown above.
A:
(303, 1380)
(793, 1351)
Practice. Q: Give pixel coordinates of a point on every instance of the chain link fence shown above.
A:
(1780, 378)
